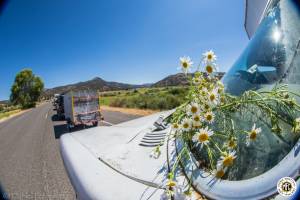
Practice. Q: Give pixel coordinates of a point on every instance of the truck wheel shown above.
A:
(69, 128)
(95, 123)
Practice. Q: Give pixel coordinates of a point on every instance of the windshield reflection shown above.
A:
(272, 54)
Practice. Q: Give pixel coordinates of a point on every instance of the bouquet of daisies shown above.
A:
(207, 123)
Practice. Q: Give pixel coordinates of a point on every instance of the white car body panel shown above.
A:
(118, 146)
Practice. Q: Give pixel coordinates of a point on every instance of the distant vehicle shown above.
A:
(58, 104)
(81, 108)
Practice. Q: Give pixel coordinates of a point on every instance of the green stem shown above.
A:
(215, 144)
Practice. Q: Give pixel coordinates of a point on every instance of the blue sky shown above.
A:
(131, 41)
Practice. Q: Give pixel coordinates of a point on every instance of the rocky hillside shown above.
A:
(177, 79)
(96, 84)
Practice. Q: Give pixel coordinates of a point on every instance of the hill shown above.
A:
(4, 102)
(98, 84)
(177, 79)
(172, 80)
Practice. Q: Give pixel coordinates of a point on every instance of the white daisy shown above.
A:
(209, 117)
(206, 107)
(227, 160)
(231, 144)
(169, 190)
(296, 127)
(202, 137)
(155, 153)
(175, 127)
(209, 57)
(196, 80)
(171, 183)
(219, 172)
(213, 97)
(186, 63)
(203, 92)
(252, 135)
(173, 191)
(193, 108)
(210, 68)
(186, 124)
(196, 120)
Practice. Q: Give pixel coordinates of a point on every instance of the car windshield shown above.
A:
(272, 56)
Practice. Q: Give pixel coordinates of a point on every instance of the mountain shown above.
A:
(96, 84)
(4, 102)
(177, 79)
(172, 80)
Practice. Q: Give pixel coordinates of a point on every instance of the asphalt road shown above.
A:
(30, 162)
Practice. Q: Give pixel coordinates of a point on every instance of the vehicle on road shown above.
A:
(114, 163)
(81, 108)
(58, 104)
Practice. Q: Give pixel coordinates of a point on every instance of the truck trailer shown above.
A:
(82, 108)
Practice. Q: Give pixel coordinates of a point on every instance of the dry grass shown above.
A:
(9, 113)
(6, 115)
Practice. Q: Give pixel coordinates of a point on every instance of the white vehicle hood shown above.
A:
(108, 153)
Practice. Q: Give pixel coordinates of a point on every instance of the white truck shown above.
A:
(82, 108)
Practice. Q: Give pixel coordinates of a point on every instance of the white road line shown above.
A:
(46, 116)
(107, 122)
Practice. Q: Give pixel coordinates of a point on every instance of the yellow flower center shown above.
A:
(220, 173)
(203, 137)
(253, 135)
(212, 97)
(209, 69)
(197, 118)
(206, 107)
(175, 125)
(209, 56)
(194, 109)
(185, 65)
(185, 125)
(231, 143)
(171, 183)
(228, 160)
(209, 117)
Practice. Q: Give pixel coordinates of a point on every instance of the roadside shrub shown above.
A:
(154, 99)
(118, 102)
(176, 91)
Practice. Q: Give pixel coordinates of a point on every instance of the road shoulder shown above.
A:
(18, 112)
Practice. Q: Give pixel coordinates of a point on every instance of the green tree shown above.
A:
(26, 89)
